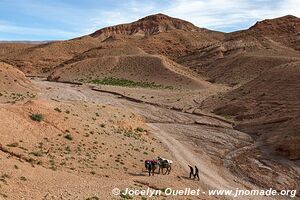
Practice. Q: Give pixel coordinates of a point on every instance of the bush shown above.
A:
(37, 117)
(69, 137)
(37, 153)
(139, 129)
(125, 196)
(15, 144)
(93, 198)
(57, 109)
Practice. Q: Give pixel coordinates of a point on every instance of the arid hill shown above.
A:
(126, 62)
(8, 48)
(244, 55)
(161, 34)
(40, 59)
(267, 108)
(284, 30)
(150, 25)
(157, 34)
(14, 86)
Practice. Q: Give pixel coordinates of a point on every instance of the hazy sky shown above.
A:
(65, 19)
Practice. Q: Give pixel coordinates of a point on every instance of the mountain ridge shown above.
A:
(149, 25)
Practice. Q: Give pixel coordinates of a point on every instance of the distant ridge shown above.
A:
(27, 41)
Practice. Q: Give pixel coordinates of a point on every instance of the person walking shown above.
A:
(191, 171)
(196, 173)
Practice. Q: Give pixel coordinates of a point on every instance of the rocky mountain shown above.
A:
(283, 30)
(150, 25)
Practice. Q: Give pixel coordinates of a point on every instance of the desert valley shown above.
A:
(79, 117)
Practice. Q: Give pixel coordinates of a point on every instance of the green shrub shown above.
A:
(139, 129)
(125, 196)
(69, 137)
(37, 117)
(124, 83)
(15, 144)
(92, 198)
(57, 109)
(37, 153)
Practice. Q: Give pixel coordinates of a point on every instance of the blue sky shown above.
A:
(66, 19)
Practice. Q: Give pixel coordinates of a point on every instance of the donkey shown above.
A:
(151, 166)
(164, 164)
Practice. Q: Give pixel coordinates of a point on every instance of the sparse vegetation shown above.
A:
(69, 137)
(163, 190)
(139, 129)
(37, 153)
(124, 83)
(3, 195)
(57, 109)
(125, 196)
(37, 117)
(93, 198)
(15, 144)
(93, 172)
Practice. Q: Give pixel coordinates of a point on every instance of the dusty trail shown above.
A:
(60, 91)
(210, 178)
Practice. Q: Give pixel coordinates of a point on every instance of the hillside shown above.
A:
(156, 34)
(14, 86)
(267, 108)
(72, 149)
(150, 25)
(40, 59)
(129, 63)
(283, 30)
(244, 55)
(161, 34)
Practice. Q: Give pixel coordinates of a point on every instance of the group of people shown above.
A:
(194, 173)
